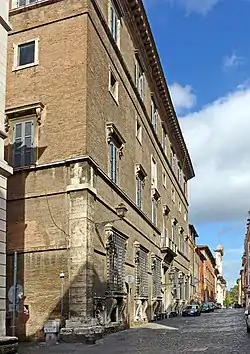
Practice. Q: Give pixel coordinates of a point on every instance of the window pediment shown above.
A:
(139, 171)
(174, 221)
(155, 194)
(166, 209)
(35, 109)
(114, 134)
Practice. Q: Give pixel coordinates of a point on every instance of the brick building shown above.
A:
(5, 169)
(194, 267)
(209, 274)
(91, 126)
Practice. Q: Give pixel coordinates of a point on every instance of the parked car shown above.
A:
(191, 310)
(247, 318)
(218, 306)
(212, 306)
(205, 308)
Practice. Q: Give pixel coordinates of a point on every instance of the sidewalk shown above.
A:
(124, 342)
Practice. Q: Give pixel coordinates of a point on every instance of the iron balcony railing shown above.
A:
(22, 3)
(167, 242)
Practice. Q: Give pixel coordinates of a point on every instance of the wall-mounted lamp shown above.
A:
(121, 210)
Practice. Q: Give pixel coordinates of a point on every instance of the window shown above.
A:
(185, 188)
(154, 115)
(173, 194)
(179, 207)
(116, 247)
(23, 144)
(140, 181)
(139, 192)
(154, 211)
(19, 3)
(153, 173)
(138, 131)
(173, 161)
(25, 54)
(114, 23)
(164, 140)
(140, 80)
(116, 145)
(164, 180)
(113, 153)
(141, 271)
(185, 216)
(179, 175)
(156, 277)
(113, 85)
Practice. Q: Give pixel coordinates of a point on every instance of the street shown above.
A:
(223, 331)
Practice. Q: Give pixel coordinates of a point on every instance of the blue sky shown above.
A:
(205, 52)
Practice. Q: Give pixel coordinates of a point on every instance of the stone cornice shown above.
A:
(140, 28)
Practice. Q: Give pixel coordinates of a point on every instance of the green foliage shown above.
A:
(231, 296)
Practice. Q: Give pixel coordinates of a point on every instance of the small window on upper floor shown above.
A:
(140, 79)
(25, 55)
(180, 175)
(164, 179)
(138, 131)
(164, 140)
(113, 85)
(154, 114)
(173, 194)
(173, 160)
(179, 207)
(114, 23)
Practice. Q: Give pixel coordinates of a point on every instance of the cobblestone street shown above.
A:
(223, 331)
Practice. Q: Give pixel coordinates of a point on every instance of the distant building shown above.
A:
(220, 281)
(195, 294)
(209, 273)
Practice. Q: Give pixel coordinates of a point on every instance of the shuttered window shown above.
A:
(23, 145)
(113, 161)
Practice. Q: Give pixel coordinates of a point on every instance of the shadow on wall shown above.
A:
(15, 239)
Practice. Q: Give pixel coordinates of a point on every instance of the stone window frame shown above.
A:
(113, 6)
(115, 94)
(138, 130)
(114, 136)
(20, 114)
(139, 250)
(111, 251)
(16, 47)
(141, 175)
(156, 267)
(140, 78)
(154, 115)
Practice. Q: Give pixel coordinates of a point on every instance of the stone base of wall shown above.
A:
(89, 333)
(8, 345)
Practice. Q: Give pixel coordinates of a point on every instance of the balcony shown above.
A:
(21, 3)
(168, 246)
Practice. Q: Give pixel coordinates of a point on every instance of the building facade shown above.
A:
(245, 270)
(195, 295)
(5, 169)
(220, 281)
(99, 191)
(209, 274)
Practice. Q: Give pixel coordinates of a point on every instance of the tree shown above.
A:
(231, 296)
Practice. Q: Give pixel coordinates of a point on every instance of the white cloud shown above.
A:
(218, 138)
(196, 6)
(182, 96)
(232, 61)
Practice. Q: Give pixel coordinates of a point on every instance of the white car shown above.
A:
(247, 317)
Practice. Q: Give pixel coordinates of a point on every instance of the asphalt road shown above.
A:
(223, 331)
